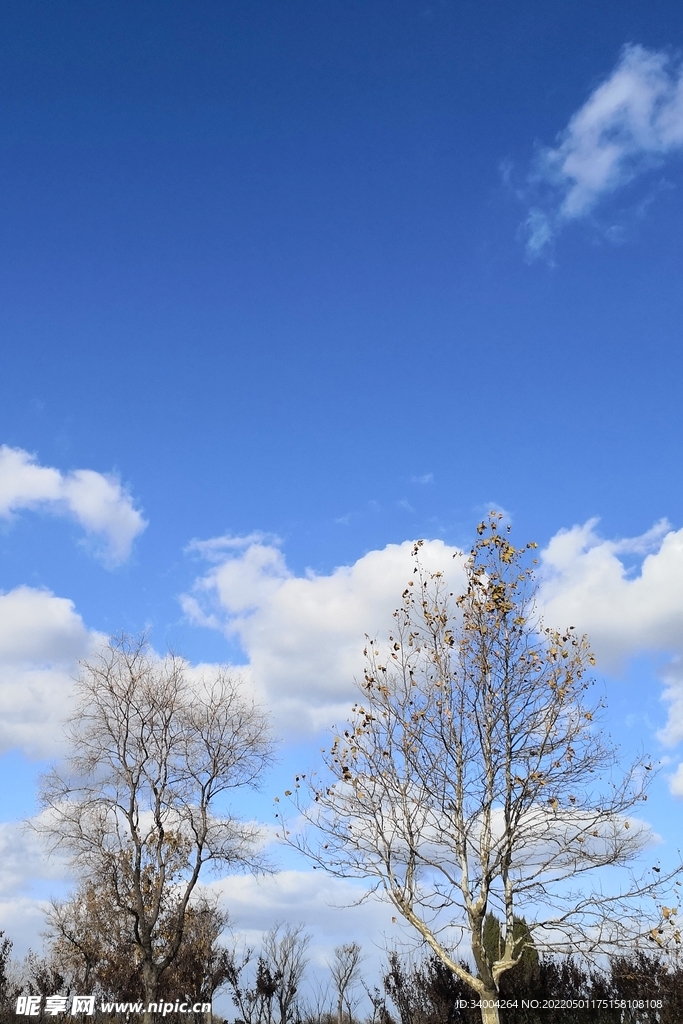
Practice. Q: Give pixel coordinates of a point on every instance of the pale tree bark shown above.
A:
(151, 749)
(489, 1009)
(474, 777)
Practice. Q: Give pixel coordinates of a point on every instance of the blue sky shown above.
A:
(318, 279)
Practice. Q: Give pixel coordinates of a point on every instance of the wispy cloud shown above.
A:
(99, 502)
(629, 123)
(217, 548)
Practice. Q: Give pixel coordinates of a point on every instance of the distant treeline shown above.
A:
(640, 988)
(637, 989)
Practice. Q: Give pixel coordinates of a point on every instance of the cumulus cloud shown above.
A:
(626, 612)
(587, 583)
(42, 638)
(99, 502)
(629, 123)
(22, 919)
(303, 635)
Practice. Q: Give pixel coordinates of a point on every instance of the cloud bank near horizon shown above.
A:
(629, 124)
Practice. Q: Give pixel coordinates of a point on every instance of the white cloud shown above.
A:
(42, 638)
(587, 584)
(629, 123)
(324, 903)
(23, 862)
(329, 909)
(27, 878)
(303, 635)
(98, 502)
(22, 919)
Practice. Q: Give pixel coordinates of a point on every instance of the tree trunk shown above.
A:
(150, 984)
(489, 1008)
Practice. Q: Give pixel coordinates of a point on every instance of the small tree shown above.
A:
(254, 1003)
(473, 778)
(43, 977)
(274, 994)
(345, 970)
(150, 755)
(284, 950)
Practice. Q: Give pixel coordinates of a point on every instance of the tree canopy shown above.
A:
(151, 752)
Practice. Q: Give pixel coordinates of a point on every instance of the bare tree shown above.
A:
(379, 1013)
(473, 777)
(274, 994)
(284, 949)
(135, 806)
(254, 1003)
(345, 970)
(316, 1008)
